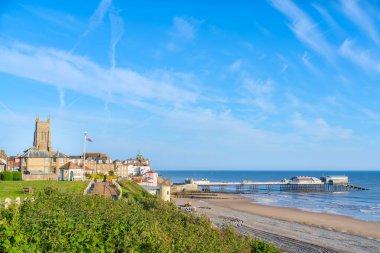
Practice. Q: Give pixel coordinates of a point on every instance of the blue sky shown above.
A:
(195, 84)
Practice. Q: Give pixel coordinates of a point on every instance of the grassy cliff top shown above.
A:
(14, 189)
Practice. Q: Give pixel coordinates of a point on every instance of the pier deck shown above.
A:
(250, 186)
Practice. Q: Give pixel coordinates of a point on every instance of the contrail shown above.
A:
(95, 20)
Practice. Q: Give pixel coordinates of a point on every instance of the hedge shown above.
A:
(10, 176)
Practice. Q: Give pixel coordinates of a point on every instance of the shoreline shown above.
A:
(335, 233)
(340, 223)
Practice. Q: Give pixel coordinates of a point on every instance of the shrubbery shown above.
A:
(69, 222)
(17, 176)
(10, 176)
(99, 176)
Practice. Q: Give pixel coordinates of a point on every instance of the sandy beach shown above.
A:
(288, 228)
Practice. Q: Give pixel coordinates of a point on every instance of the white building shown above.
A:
(151, 178)
(305, 180)
(71, 172)
(335, 179)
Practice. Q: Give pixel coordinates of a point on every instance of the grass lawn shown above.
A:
(13, 189)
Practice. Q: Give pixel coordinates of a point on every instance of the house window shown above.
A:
(60, 160)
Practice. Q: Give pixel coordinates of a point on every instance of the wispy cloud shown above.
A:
(254, 91)
(361, 18)
(61, 94)
(52, 16)
(235, 66)
(183, 28)
(95, 20)
(305, 29)
(182, 31)
(362, 58)
(319, 128)
(373, 116)
(306, 60)
(77, 73)
(97, 17)
(6, 109)
(257, 87)
(117, 30)
(329, 19)
(258, 93)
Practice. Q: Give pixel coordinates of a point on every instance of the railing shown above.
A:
(118, 188)
(86, 191)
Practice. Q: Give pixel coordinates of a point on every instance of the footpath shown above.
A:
(105, 189)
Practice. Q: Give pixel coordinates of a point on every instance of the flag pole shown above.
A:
(84, 153)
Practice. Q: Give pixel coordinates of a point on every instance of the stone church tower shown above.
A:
(42, 135)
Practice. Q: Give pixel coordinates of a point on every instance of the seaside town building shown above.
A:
(34, 161)
(151, 178)
(41, 160)
(3, 160)
(132, 167)
(71, 172)
(13, 163)
(42, 135)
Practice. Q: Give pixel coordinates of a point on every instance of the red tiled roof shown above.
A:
(71, 165)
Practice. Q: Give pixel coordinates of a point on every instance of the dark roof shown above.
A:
(35, 153)
(75, 157)
(57, 154)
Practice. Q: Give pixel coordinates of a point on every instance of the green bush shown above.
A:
(17, 176)
(6, 176)
(69, 222)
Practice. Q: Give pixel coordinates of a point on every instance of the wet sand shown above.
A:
(292, 229)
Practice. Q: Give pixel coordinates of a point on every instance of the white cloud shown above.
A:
(329, 19)
(97, 17)
(68, 71)
(361, 18)
(361, 57)
(319, 128)
(293, 99)
(183, 28)
(52, 16)
(307, 62)
(374, 116)
(257, 87)
(61, 93)
(182, 31)
(235, 66)
(303, 27)
(6, 109)
(265, 105)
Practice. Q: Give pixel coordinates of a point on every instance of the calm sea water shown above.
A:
(364, 205)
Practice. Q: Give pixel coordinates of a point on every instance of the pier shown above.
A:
(296, 184)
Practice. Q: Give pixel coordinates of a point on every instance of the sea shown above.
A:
(362, 205)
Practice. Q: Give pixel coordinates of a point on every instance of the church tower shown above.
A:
(42, 135)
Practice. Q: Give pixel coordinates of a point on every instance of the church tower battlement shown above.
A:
(42, 135)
